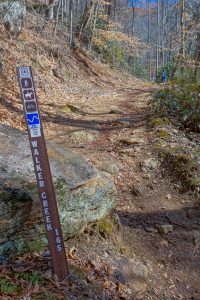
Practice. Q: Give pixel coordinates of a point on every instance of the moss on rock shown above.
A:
(83, 194)
(105, 226)
(195, 183)
(162, 134)
(183, 165)
(157, 122)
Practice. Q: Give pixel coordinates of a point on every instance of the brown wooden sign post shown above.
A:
(43, 173)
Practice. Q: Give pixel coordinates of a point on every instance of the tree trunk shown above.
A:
(158, 37)
(108, 9)
(197, 58)
(182, 50)
(57, 17)
(71, 37)
(133, 18)
(86, 18)
(149, 41)
(96, 9)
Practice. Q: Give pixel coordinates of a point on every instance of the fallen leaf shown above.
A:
(91, 277)
(36, 288)
(107, 284)
(48, 274)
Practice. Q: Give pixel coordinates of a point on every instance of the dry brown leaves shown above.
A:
(31, 277)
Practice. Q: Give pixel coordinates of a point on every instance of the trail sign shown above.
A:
(43, 172)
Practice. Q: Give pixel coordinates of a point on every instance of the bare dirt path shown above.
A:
(110, 131)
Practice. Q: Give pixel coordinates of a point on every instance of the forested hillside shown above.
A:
(118, 95)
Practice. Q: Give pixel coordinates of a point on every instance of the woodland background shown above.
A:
(144, 38)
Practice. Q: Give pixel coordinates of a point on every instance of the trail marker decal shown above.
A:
(43, 173)
(28, 94)
(33, 120)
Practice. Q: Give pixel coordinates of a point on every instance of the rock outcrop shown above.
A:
(83, 194)
(12, 14)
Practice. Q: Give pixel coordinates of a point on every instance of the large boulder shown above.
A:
(83, 194)
(12, 14)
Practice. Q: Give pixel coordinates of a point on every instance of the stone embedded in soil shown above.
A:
(83, 194)
(165, 228)
(129, 271)
(115, 110)
(151, 229)
(84, 136)
(2, 65)
(125, 121)
(112, 167)
(132, 141)
(149, 164)
(135, 191)
(128, 151)
(15, 206)
(150, 185)
(164, 243)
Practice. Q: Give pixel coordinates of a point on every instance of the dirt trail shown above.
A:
(146, 197)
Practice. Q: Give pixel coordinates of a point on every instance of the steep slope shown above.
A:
(61, 76)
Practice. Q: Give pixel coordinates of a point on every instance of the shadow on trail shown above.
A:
(138, 91)
(187, 218)
(135, 120)
(178, 250)
(85, 113)
(131, 119)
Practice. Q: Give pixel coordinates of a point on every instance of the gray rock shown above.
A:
(151, 229)
(112, 168)
(12, 14)
(15, 206)
(149, 164)
(132, 141)
(2, 65)
(115, 110)
(128, 151)
(84, 136)
(132, 272)
(165, 228)
(125, 121)
(150, 185)
(83, 194)
(135, 191)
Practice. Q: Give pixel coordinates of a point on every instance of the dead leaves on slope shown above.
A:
(31, 277)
